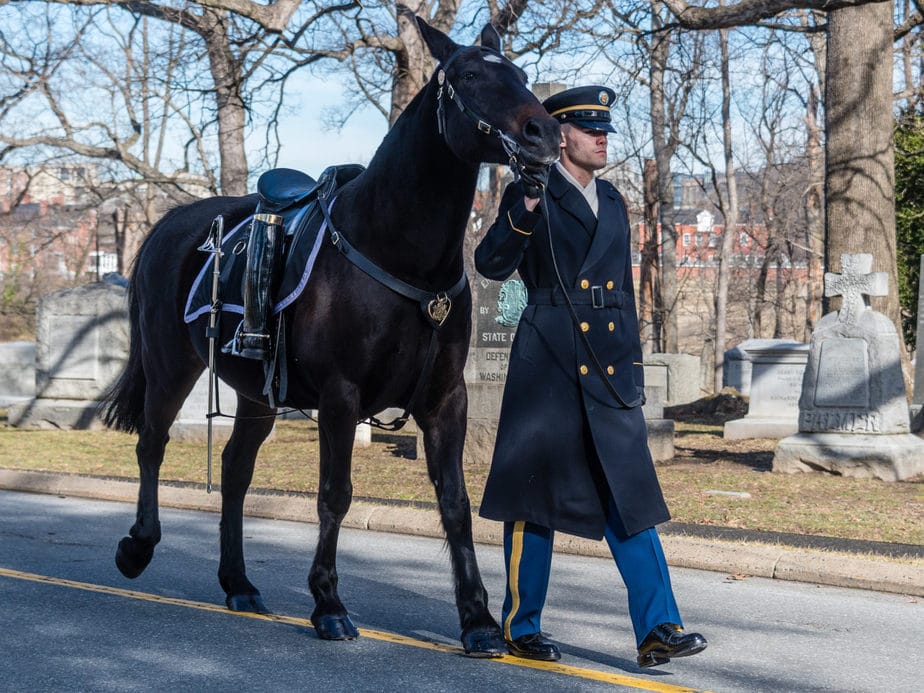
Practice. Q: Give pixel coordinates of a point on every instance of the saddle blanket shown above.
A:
(305, 229)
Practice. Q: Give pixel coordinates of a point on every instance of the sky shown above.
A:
(311, 145)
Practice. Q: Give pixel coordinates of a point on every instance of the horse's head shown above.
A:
(485, 111)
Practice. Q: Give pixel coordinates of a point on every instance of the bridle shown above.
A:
(481, 124)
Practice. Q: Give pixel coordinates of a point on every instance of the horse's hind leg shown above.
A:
(337, 429)
(254, 424)
(444, 437)
(161, 406)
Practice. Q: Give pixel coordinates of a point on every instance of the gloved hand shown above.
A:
(534, 179)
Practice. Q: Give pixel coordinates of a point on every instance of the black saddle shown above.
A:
(282, 189)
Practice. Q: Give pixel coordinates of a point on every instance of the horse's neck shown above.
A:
(410, 208)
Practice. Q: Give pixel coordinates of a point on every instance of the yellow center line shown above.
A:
(384, 636)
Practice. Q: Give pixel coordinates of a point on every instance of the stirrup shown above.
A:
(248, 345)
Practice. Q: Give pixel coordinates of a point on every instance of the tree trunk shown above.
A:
(663, 153)
(860, 186)
(649, 288)
(731, 222)
(814, 202)
(229, 102)
(412, 64)
(860, 163)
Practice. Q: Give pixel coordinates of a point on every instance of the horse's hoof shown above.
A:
(332, 627)
(133, 556)
(252, 603)
(484, 642)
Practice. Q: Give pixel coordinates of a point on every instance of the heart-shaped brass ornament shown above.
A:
(438, 309)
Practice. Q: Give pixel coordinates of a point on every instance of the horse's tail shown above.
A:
(122, 406)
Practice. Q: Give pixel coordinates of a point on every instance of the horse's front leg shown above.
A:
(444, 437)
(337, 429)
(254, 424)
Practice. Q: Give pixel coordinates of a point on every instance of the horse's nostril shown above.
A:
(532, 131)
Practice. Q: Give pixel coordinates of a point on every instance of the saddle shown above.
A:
(294, 199)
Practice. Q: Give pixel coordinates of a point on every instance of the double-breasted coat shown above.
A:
(565, 442)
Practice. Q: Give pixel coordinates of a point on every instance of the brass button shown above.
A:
(585, 327)
(583, 369)
(610, 370)
(609, 284)
(612, 326)
(585, 284)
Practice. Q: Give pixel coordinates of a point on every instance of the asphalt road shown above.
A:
(71, 622)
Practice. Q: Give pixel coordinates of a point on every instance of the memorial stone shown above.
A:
(736, 370)
(497, 310)
(192, 421)
(776, 368)
(678, 374)
(853, 413)
(17, 372)
(81, 348)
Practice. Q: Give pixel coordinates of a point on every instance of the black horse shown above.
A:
(354, 347)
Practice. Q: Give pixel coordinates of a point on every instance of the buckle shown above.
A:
(596, 295)
(484, 127)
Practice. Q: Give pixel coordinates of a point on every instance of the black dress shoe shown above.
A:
(534, 646)
(667, 641)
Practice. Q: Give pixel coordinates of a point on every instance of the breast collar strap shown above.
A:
(435, 306)
(445, 87)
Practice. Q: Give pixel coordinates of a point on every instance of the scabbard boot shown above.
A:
(252, 339)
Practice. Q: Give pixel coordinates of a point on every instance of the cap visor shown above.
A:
(603, 125)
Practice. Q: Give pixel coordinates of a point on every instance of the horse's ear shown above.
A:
(490, 38)
(440, 45)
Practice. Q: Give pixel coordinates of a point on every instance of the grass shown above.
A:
(705, 462)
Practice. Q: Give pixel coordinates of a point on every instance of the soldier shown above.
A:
(572, 447)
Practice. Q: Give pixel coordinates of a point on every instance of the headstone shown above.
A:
(81, 348)
(660, 430)
(853, 414)
(497, 310)
(776, 370)
(192, 421)
(736, 370)
(17, 372)
(917, 399)
(678, 373)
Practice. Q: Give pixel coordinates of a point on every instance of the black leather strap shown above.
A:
(423, 297)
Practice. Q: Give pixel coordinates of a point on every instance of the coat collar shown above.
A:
(571, 200)
(610, 212)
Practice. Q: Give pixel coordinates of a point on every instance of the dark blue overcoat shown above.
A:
(564, 441)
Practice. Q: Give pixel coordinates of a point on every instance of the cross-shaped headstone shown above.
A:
(855, 283)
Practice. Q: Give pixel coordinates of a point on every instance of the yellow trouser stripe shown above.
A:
(513, 572)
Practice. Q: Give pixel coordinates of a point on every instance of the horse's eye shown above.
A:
(468, 76)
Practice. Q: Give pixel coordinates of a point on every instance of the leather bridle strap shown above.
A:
(482, 125)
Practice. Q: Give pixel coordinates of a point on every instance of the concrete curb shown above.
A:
(737, 558)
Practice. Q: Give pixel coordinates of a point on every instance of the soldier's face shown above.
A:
(583, 148)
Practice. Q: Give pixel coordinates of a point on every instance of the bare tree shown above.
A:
(859, 172)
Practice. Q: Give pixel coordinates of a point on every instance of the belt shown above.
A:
(595, 296)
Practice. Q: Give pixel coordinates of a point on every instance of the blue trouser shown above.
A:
(639, 558)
